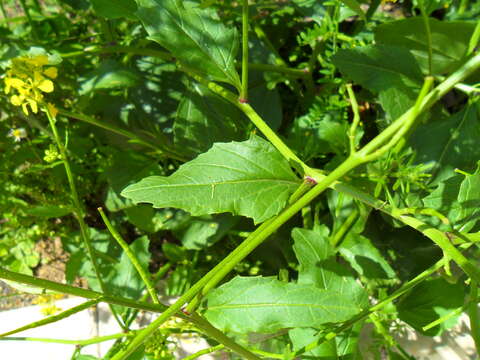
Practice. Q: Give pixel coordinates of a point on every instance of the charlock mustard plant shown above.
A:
(28, 78)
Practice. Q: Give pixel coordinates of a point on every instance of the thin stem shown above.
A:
(79, 211)
(340, 233)
(165, 150)
(244, 89)
(428, 31)
(463, 6)
(54, 318)
(91, 341)
(204, 352)
(444, 318)
(76, 291)
(472, 44)
(134, 260)
(356, 118)
(472, 311)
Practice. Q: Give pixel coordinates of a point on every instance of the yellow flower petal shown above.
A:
(24, 108)
(16, 100)
(52, 110)
(33, 105)
(46, 86)
(51, 72)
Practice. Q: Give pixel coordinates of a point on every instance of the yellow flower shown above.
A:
(29, 79)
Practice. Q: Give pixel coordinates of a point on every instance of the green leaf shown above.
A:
(390, 71)
(203, 118)
(458, 198)
(249, 178)
(113, 9)
(429, 301)
(379, 68)
(121, 278)
(206, 231)
(318, 265)
(313, 9)
(259, 304)
(109, 75)
(194, 36)
(365, 258)
(450, 143)
(450, 41)
(127, 167)
(355, 6)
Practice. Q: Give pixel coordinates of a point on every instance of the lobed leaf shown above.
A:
(249, 178)
(194, 36)
(260, 304)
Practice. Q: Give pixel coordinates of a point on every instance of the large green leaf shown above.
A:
(249, 178)
(428, 302)
(450, 143)
(194, 36)
(260, 304)
(318, 265)
(204, 118)
(449, 41)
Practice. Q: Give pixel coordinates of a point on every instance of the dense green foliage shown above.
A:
(294, 171)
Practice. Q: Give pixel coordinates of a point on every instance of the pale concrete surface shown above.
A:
(83, 325)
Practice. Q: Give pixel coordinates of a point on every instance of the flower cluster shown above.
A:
(29, 77)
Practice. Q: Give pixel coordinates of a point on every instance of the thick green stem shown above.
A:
(244, 89)
(356, 118)
(132, 257)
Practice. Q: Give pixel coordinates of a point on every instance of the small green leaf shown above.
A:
(259, 304)
(318, 265)
(206, 231)
(194, 36)
(249, 178)
(429, 301)
(450, 143)
(204, 118)
(365, 258)
(458, 198)
(355, 6)
(109, 75)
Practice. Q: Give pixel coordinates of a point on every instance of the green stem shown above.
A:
(356, 118)
(340, 233)
(76, 291)
(387, 300)
(473, 314)
(244, 89)
(444, 318)
(55, 318)
(261, 233)
(79, 211)
(219, 336)
(297, 73)
(91, 341)
(463, 6)
(136, 263)
(165, 150)
(204, 352)
(428, 31)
